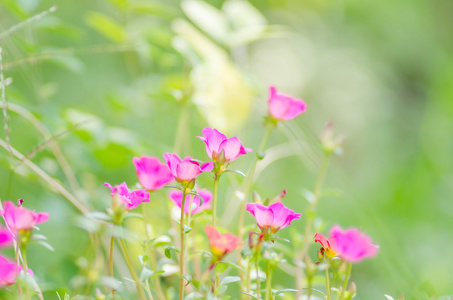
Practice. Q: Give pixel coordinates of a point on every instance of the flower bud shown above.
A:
(352, 290)
(321, 254)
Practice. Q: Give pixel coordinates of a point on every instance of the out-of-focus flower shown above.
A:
(187, 169)
(283, 107)
(217, 142)
(130, 200)
(8, 272)
(221, 244)
(274, 217)
(351, 244)
(19, 218)
(6, 237)
(176, 197)
(151, 173)
(331, 143)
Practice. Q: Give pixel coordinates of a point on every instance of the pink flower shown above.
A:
(221, 244)
(130, 199)
(283, 107)
(275, 217)
(351, 245)
(187, 169)
(20, 218)
(6, 237)
(176, 197)
(151, 173)
(8, 272)
(217, 142)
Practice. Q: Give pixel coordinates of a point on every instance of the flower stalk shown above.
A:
(346, 280)
(181, 259)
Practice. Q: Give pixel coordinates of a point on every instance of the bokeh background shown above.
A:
(103, 81)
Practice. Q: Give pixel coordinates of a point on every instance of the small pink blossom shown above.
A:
(151, 173)
(351, 244)
(176, 197)
(275, 217)
(19, 218)
(283, 107)
(130, 199)
(187, 169)
(221, 244)
(8, 272)
(217, 142)
(6, 238)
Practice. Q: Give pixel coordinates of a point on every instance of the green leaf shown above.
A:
(188, 278)
(237, 172)
(220, 267)
(251, 295)
(133, 215)
(285, 290)
(220, 289)
(99, 215)
(145, 274)
(389, 297)
(401, 297)
(229, 279)
(233, 265)
(168, 251)
(187, 229)
(106, 26)
(193, 295)
(44, 244)
(316, 291)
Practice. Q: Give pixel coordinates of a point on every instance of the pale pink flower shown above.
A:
(176, 197)
(151, 173)
(130, 199)
(283, 107)
(187, 169)
(8, 272)
(217, 142)
(351, 244)
(275, 217)
(6, 237)
(20, 218)
(221, 244)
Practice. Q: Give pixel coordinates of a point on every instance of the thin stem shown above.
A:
(268, 281)
(16, 258)
(112, 240)
(327, 284)
(131, 268)
(214, 200)
(247, 280)
(181, 259)
(258, 283)
(346, 280)
(309, 223)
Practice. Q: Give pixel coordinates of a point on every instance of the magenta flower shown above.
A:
(6, 238)
(8, 272)
(351, 245)
(151, 173)
(283, 107)
(176, 197)
(19, 218)
(187, 169)
(130, 199)
(275, 217)
(217, 142)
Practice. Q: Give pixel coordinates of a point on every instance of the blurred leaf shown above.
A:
(284, 290)
(169, 249)
(99, 215)
(389, 297)
(188, 278)
(106, 26)
(229, 279)
(237, 172)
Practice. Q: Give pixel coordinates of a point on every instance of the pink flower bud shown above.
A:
(187, 169)
(151, 173)
(275, 217)
(221, 244)
(351, 244)
(217, 142)
(130, 199)
(283, 107)
(176, 197)
(20, 218)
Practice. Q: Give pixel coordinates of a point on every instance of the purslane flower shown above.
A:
(283, 107)
(130, 200)
(187, 169)
(8, 272)
(221, 244)
(152, 173)
(217, 142)
(19, 218)
(176, 197)
(351, 244)
(6, 237)
(275, 217)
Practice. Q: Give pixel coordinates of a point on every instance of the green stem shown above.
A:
(309, 223)
(130, 266)
(327, 284)
(111, 265)
(346, 280)
(268, 281)
(258, 283)
(214, 200)
(181, 259)
(247, 280)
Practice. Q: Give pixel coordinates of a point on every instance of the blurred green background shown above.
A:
(109, 80)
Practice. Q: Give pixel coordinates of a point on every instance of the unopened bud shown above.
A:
(250, 240)
(256, 197)
(279, 197)
(352, 290)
